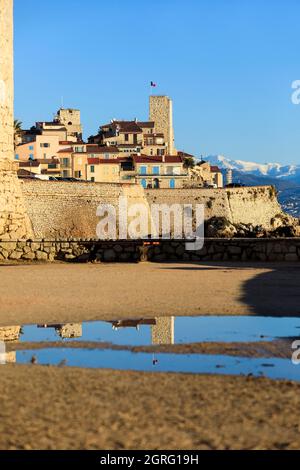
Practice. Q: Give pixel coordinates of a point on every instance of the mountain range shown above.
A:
(286, 178)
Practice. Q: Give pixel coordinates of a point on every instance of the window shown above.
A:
(126, 137)
(93, 179)
(155, 170)
(143, 170)
(31, 156)
(92, 169)
(43, 145)
(31, 147)
(172, 184)
(65, 161)
(79, 149)
(17, 157)
(51, 166)
(106, 156)
(144, 183)
(160, 152)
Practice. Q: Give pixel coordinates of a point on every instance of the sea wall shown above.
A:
(283, 249)
(68, 210)
(247, 205)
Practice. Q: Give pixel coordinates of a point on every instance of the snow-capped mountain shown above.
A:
(286, 178)
(270, 170)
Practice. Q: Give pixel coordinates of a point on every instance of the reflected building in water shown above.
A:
(10, 333)
(66, 330)
(162, 328)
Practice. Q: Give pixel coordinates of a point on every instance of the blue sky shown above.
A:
(227, 64)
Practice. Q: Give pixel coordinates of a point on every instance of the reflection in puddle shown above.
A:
(155, 331)
(168, 330)
(194, 363)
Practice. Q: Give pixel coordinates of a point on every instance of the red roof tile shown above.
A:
(215, 169)
(156, 159)
(99, 161)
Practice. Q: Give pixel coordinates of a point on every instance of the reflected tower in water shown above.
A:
(9, 334)
(163, 331)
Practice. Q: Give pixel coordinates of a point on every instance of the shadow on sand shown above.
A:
(272, 293)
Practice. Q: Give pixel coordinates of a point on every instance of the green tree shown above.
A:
(18, 130)
(188, 162)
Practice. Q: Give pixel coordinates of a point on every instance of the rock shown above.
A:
(41, 256)
(109, 255)
(29, 256)
(15, 255)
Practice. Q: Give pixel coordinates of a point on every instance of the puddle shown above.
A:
(194, 363)
(155, 331)
(168, 330)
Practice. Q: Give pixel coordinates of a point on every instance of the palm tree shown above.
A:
(18, 130)
(188, 162)
(17, 126)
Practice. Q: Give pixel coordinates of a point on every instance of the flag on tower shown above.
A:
(153, 85)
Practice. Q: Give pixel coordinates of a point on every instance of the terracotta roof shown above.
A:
(48, 160)
(186, 155)
(105, 149)
(99, 161)
(215, 169)
(129, 145)
(29, 164)
(146, 124)
(70, 142)
(68, 150)
(156, 159)
(22, 172)
(159, 134)
(130, 127)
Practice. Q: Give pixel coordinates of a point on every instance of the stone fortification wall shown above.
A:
(243, 250)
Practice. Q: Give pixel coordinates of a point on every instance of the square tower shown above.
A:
(161, 112)
(70, 119)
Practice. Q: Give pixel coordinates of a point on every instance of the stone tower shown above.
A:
(161, 112)
(14, 223)
(163, 331)
(70, 118)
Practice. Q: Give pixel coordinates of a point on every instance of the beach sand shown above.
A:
(65, 408)
(63, 293)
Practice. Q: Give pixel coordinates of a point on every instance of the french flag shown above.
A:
(153, 85)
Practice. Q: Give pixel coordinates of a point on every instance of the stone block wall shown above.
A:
(68, 210)
(13, 220)
(247, 205)
(236, 250)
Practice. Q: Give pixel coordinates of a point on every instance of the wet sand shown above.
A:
(69, 408)
(280, 348)
(60, 408)
(62, 293)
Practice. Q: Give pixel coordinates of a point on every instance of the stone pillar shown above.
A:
(14, 223)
